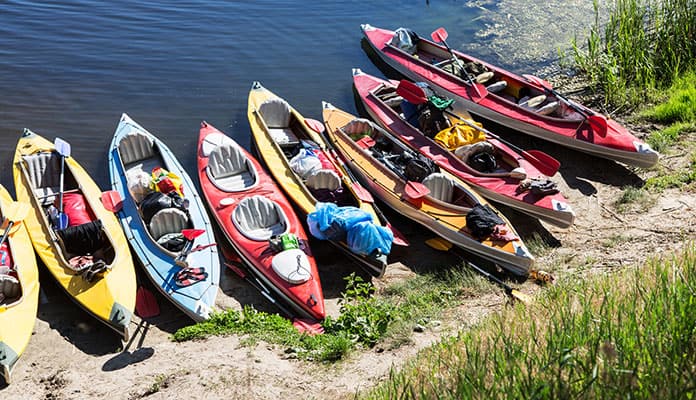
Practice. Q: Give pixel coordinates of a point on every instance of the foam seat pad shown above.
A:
(168, 220)
(135, 146)
(9, 287)
(440, 185)
(292, 265)
(259, 218)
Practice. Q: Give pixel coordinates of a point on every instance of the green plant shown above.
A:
(364, 318)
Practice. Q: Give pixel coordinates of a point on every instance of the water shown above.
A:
(71, 69)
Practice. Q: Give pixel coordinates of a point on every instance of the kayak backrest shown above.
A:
(324, 179)
(276, 113)
(230, 169)
(44, 173)
(135, 146)
(440, 185)
(168, 220)
(358, 127)
(259, 218)
(9, 288)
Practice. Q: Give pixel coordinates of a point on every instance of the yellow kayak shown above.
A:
(19, 291)
(442, 202)
(91, 261)
(277, 146)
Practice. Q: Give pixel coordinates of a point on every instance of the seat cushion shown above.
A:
(229, 168)
(276, 113)
(324, 179)
(440, 185)
(259, 218)
(135, 146)
(283, 136)
(9, 288)
(168, 220)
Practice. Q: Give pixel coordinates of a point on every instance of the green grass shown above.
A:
(629, 335)
(365, 319)
(678, 112)
(683, 178)
(643, 45)
(631, 198)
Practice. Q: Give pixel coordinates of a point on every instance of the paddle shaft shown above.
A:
(7, 232)
(459, 62)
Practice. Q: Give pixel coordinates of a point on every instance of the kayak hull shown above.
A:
(570, 129)
(444, 219)
(307, 298)
(501, 188)
(111, 298)
(17, 319)
(196, 300)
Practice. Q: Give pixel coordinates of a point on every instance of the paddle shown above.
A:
(597, 122)
(546, 164)
(112, 201)
(440, 35)
(444, 245)
(145, 302)
(62, 148)
(14, 212)
(190, 235)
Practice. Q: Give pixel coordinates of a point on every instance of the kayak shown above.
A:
(253, 213)
(441, 202)
(19, 289)
(281, 133)
(90, 261)
(503, 182)
(524, 103)
(157, 228)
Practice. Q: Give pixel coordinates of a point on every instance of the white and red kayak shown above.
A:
(505, 184)
(259, 222)
(525, 103)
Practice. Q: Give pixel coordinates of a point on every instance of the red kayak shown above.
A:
(259, 222)
(525, 103)
(509, 183)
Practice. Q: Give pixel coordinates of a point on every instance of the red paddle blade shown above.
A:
(191, 234)
(146, 304)
(546, 164)
(411, 92)
(362, 193)
(416, 190)
(439, 34)
(399, 238)
(598, 124)
(112, 201)
(366, 142)
(316, 126)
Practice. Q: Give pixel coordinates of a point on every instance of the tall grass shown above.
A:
(644, 44)
(629, 335)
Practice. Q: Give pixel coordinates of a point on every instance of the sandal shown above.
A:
(189, 276)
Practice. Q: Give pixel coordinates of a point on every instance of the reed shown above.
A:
(583, 339)
(644, 44)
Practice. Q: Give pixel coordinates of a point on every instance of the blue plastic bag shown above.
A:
(366, 237)
(331, 222)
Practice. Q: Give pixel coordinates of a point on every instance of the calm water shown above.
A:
(71, 69)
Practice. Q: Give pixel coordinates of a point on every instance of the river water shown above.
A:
(70, 68)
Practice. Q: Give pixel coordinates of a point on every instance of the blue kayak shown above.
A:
(189, 279)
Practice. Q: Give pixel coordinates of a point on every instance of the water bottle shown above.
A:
(53, 215)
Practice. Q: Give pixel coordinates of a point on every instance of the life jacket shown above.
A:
(166, 182)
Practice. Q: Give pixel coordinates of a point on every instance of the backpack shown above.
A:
(418, 167)
(431, 120)
(156, 201)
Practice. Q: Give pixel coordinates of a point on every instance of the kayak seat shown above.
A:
(359, 127)
(548, 108)
(44, 173)
(496, 87)
(484, 77)
(532, 102)
(258, 218)
(440, 185)
(168, 220)
(230, 170)
(9, 288)
(324, 179)
(212, 141)
(135, 146)
(276, 114)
